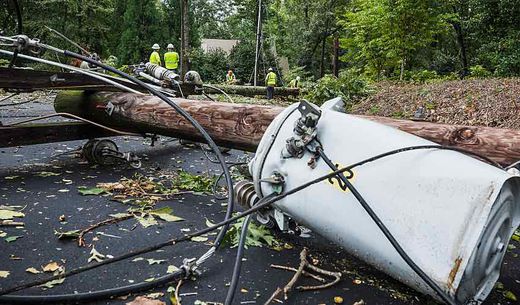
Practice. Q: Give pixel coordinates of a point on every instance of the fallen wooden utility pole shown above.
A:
(242, 126)
(38, 133)
(253, 90)
(32, 80)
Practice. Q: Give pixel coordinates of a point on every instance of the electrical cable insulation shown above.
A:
(188, 117)
(223, 229)
(240, 253)
(389, 236)
(220, 224)
(238, 262)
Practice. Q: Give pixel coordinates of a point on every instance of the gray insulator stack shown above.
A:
(245, 194)
(162, 73)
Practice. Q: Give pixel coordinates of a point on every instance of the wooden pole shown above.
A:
(242, 126)
(185, 36)
(335, 61)
(231, 125)
(31, 134)
(258, 41)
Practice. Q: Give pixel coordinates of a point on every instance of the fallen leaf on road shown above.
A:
(199, 239)
(165, 213)
(152, 261)
(155, 295)
(360, 302)
(53, 283)
(119, 215)
(67, 234)
(145, 301)
(338, 300)
(510, 296)
(209, 223)
(172, 269)
(33, 270)
(147, 221)
(8, 214)
(47, 174)
(4, 274)
(95, 256)
(90, 191)
(12, 238)
(51, 267)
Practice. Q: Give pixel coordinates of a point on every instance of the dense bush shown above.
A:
(349, 86)
(212, 66)
(479, 71)
(242, 61)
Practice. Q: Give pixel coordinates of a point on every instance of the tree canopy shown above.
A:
(398, 39)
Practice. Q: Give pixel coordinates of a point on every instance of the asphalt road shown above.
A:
(45, 200)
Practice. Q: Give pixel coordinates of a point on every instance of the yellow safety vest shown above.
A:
(155, 58)
(230, 78)
(270, 79)
(171, 60)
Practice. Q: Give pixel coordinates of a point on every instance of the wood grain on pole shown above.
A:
(242, 126)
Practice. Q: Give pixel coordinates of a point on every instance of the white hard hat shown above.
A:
(270, 69)
(170, 46)
(156, 46)
(297, 78)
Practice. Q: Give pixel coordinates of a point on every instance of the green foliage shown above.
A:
(196, 183)
(257, 235)
(348, 86)
(242, 60)
(212, 66)
(413, 40)
(141, 29)
(301, 29)
(421, 76)
(479, 71)
(383, 37)
(298, 71)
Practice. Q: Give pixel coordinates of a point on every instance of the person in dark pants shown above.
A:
(270, 82)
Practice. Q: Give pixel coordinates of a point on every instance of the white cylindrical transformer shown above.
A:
(453, 214)
(162, 73)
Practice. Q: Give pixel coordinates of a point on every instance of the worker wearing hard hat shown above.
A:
(155, 58)
(230, 78)
(295, 83)
(270, 82)
(171, 59)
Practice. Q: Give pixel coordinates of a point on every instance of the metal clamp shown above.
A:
(189, 265)
(304, 130)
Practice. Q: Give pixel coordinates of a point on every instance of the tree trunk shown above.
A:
(462, 47)
(253, 90)
(335, 62)
(322, 61)
(401, 76)
(242, 126)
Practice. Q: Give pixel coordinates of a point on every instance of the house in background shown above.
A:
(212, 45)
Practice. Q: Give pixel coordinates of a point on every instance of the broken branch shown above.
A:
(81, 240)
(273, 296)
(305, 273)
(303, 262)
